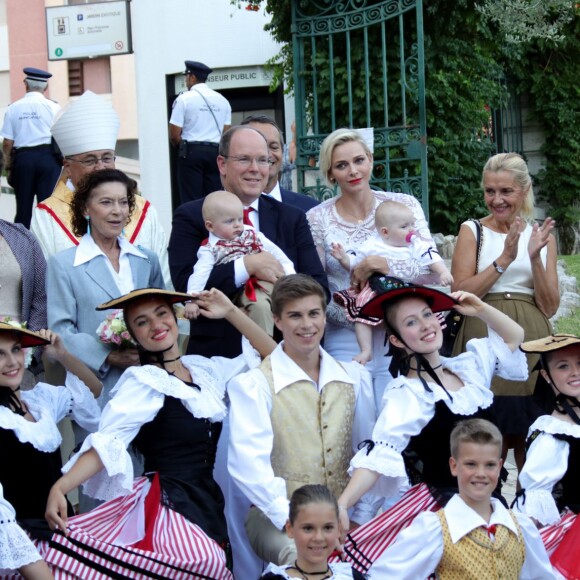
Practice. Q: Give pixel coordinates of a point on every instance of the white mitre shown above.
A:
(88, 123)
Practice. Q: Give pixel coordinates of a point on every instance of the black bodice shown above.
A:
(27, 475)
(427, 455)
(182, 449)
(567, 491)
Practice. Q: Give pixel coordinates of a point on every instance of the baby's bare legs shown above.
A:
(364, 337)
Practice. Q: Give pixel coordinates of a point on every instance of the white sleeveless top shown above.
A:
(518, 275)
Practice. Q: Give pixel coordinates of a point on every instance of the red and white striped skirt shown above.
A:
(173, 547)
(564, 555)
(367, 542)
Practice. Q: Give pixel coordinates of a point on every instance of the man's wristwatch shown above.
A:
(498, 268)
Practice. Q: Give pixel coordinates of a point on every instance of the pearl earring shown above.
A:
(88, 218)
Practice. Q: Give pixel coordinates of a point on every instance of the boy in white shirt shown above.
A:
(229, 238)
(296, 419)
(474, 536)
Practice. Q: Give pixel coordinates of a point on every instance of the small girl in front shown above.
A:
(313, 524)
(550, 479)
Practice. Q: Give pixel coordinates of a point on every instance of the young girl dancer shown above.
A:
(30, 440)
(550, 478)
(421, 406)
(169, 523)
(313, 523)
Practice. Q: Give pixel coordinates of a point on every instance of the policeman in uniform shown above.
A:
(199, 117)
(33, 163)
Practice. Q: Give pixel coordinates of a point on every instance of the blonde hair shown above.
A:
(477, 431)
(215, 202)
(332, 141)
(388, 210)
(516, 165)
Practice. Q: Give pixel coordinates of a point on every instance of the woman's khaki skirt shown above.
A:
(521, 308)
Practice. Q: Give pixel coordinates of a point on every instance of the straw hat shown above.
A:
(389, 287)
(122, 301)
(27, 337)
(549, 343)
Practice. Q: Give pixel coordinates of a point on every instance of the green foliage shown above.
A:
(549, 73)
(462, 87)
(570, 324)
(469, 47)
(524, 21)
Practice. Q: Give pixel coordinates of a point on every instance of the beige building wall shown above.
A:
(112, 77)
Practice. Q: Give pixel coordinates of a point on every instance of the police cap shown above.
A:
(200, 70)
(36, 74)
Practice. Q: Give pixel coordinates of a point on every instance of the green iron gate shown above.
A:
(360, 63)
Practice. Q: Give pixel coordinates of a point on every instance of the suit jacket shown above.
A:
(281, 223)
(74, 293)
(28, 254)
(304, 202)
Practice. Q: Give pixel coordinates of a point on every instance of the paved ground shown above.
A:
(509, 489)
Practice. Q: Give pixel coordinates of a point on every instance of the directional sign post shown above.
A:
(88, 30)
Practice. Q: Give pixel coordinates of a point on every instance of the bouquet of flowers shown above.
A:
(113, 330)
(28, 352)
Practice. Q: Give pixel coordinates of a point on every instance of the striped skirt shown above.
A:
(173, 547)
(367, 542)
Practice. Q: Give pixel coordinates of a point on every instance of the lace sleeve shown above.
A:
(403, 416)
(16, 548)
(116, 478)
(317, 229)
(83, 405)
(546, 464)
(495, 357)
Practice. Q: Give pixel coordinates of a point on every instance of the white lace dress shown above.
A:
(328, 226)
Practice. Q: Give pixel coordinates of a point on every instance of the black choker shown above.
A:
(434, 368)
(304, 574)
(565, 405)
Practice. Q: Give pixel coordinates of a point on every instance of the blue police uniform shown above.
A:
(35, 166)
(201, 113)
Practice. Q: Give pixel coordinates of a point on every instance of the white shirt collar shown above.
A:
(286, 372)
(461, 519)
(88, 249)
(254, 205)
(275, 193)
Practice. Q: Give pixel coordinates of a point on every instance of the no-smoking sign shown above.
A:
(119, 45)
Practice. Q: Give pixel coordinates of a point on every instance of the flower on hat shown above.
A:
(28, 352)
